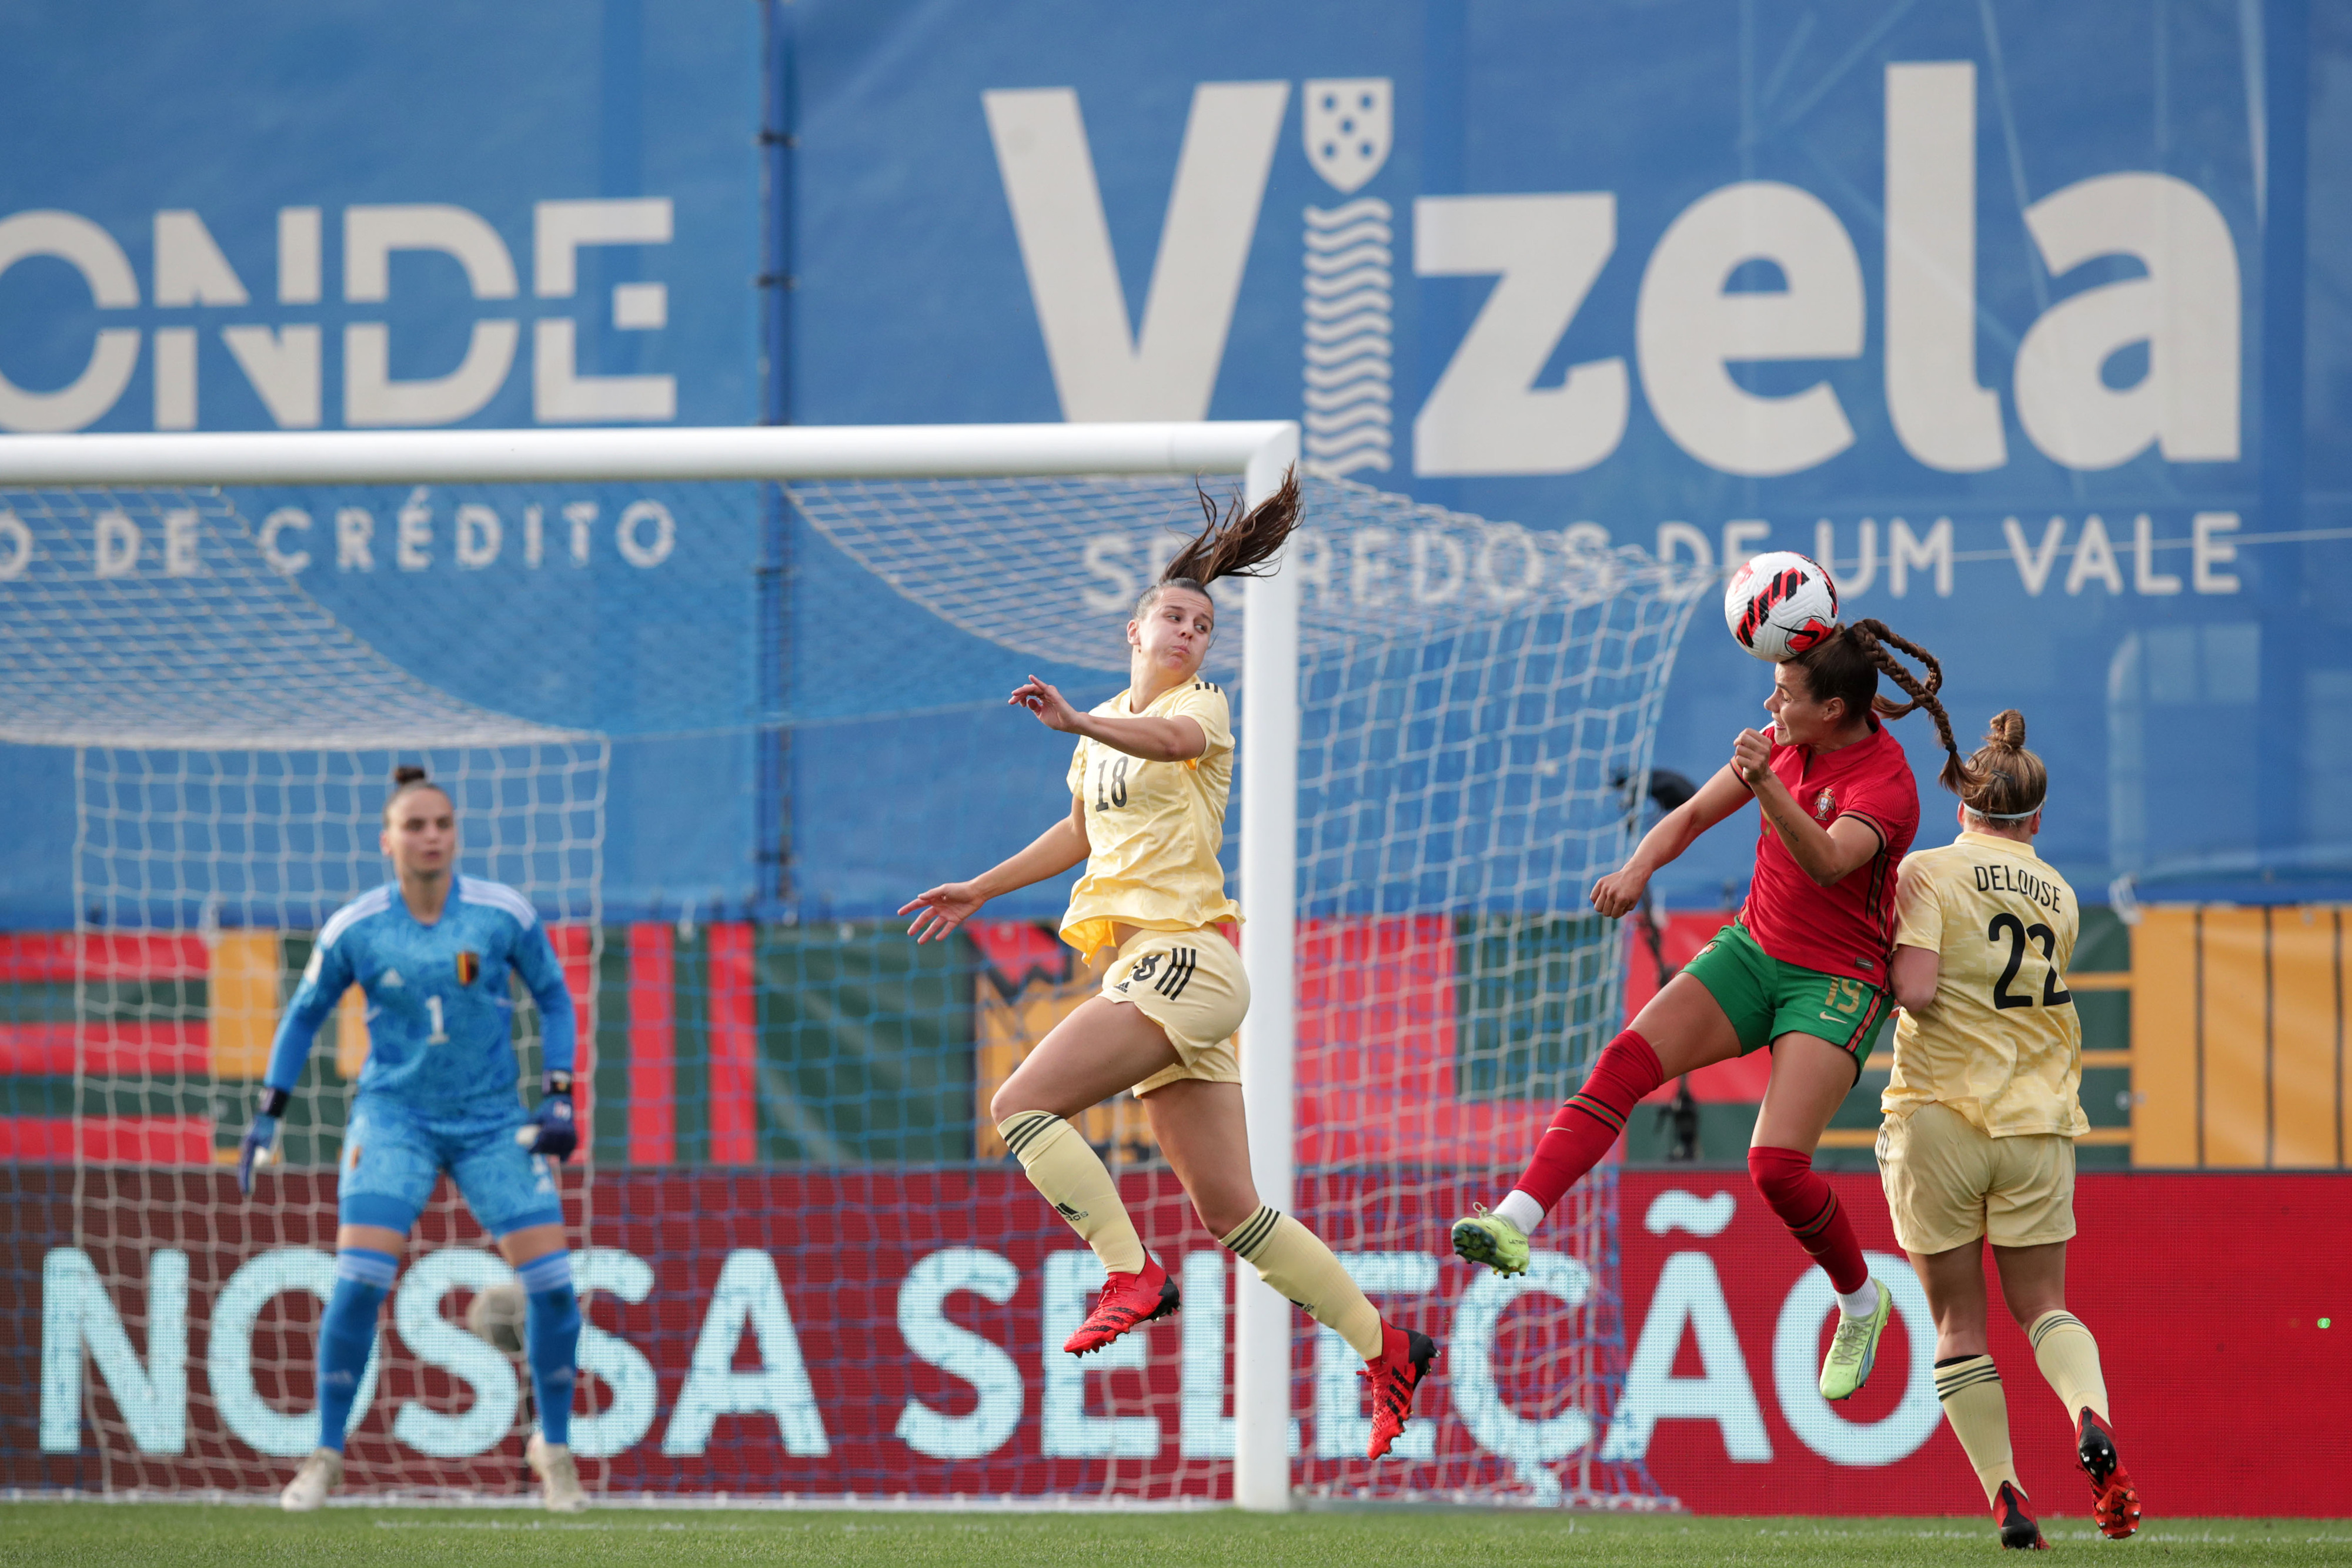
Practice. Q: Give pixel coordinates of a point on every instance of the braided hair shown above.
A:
(1237, 543)
(1847, 665)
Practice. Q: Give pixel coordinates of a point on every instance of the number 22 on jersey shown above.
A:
(2019, 934)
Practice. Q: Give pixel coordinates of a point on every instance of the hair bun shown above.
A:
(407, 774)
(2007, 729)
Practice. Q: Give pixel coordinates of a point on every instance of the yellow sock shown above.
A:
(1291, 1258)
(2069, 1358)
(1071, 1175)
(1969, 1387)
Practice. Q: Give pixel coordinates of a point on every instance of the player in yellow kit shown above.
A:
(1149, 783)
(1981, 1119)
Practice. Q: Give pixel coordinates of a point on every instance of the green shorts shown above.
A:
(1766, 997)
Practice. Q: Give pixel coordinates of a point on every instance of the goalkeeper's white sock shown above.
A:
(1521, 1210)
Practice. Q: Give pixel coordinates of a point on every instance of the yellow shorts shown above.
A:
(1949, 1183)
(1190, 984)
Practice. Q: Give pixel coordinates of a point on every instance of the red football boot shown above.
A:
(2114, 1503)
(1127, 1301)
(1405, 1355)
(2018, 1531)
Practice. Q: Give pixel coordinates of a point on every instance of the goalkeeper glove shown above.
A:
(550, 1130)
(260, 1137)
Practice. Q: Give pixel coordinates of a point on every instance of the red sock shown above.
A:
(1811, 1212)
(1583, 1129)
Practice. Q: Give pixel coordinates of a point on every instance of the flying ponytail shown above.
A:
(1237, 544)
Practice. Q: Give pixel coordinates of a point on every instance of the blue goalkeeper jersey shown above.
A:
(439, 1013)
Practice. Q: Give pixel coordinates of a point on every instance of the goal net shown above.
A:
(232, 746)
(810, 1267)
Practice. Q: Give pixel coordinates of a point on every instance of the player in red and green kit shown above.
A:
(1803, 971)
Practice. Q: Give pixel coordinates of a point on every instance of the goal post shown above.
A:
(1443, 723)
(1260, 452)
(1269, 867)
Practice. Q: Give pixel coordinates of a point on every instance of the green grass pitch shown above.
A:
(87, 1534)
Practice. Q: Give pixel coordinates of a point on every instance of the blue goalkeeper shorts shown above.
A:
(393, 1155)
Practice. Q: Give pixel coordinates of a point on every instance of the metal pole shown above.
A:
(680, 453)
(1269, 875)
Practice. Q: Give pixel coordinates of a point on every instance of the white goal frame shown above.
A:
(1260, 452)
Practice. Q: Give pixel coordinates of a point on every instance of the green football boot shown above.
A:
(1855, 1349)
(1491, 1240)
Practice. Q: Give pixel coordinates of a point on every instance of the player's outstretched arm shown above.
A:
(1145, 736)
(940, 910)
(323, 985)
(1679, 829)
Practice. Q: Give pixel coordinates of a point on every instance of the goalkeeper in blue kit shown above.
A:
(432, 951)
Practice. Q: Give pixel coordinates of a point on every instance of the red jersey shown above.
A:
(1847, 927)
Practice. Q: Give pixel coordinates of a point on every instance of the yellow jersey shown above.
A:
(2000, 1044)
(1154, 827)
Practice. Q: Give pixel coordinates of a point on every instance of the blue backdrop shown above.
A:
(2041, 318)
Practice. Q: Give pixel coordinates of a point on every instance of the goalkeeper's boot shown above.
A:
(1491, 1240)
(321, 1472)
(558, 1478)
(1855, 1349)
(1405, 1355)
(2019, 1532)
(1127, 1301)
(2114, 1503)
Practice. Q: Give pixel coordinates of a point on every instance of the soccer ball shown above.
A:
(1781, 604)
(495, 1314)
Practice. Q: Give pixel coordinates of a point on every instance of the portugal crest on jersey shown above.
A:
(469, 968)
(1824, 807)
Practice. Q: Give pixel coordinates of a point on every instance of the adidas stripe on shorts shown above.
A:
(1190, 984)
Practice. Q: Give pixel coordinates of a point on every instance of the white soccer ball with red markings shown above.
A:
(1781, 604)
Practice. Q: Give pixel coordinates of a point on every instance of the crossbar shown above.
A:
(750, 452)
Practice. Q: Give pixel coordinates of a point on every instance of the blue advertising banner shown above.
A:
(2020, 319)
(2034, 324)
(261, 216)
